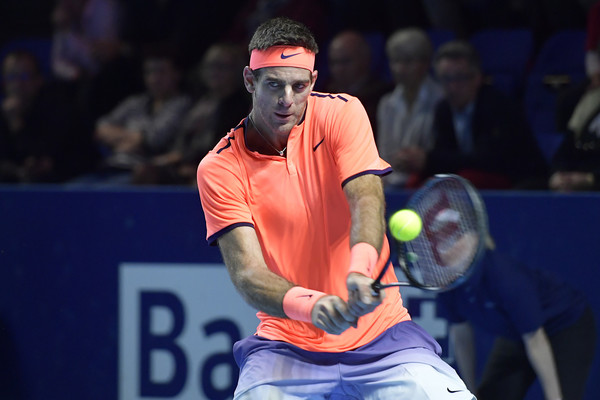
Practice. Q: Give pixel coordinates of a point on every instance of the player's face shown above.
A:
(279, 96)
(459, 80)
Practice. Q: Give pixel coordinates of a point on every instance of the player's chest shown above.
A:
(281, 188)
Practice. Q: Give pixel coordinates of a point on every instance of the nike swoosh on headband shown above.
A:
(283, 56)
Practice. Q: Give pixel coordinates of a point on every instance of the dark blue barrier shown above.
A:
(61, 252)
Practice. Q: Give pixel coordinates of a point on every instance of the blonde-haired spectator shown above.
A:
(405, 116)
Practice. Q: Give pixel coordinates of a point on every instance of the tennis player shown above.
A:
(293, 198)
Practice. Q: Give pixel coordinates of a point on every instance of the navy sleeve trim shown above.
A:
(229, 139)
(212, 239)
(379, 172)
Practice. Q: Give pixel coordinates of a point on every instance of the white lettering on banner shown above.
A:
(422, 307)
(177, 326)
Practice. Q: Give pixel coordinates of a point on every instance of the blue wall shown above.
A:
(60, 252)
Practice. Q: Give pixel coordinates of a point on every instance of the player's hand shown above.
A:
(331, 314)
(361, 298)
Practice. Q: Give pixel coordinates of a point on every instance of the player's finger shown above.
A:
(362, 302)
(325, 323)
(355, 306)
(331, 316)
(347, 317)
(332, 326)
(341, 316)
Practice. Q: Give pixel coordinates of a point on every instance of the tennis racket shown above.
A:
(451, 241)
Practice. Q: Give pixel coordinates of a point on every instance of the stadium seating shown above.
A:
(558, 64)
(505, 57)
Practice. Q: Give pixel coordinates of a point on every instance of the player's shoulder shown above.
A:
(338, 104)
(331, 99)
(223, 155)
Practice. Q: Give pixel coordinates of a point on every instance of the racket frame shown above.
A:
(481, 225)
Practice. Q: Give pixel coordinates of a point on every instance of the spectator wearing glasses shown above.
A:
(479, 133)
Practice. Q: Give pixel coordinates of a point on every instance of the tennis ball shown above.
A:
(405, 225)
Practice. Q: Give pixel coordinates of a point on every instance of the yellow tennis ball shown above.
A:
(405, 225)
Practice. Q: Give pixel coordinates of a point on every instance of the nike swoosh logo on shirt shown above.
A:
(318, 144)
(454, 391)
(283, 56)
(305, 295)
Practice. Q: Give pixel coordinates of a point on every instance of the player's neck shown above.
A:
(261, 142)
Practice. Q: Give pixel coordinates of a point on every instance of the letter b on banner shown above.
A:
(177, 327)
(154, 343)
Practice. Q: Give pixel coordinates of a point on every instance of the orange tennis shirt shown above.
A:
(301, 216)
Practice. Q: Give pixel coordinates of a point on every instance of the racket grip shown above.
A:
(376, 288)
(376, 285)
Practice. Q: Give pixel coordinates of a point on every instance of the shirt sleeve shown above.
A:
(222, 196)
(353, 143)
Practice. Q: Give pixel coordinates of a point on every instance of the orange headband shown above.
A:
(282, 56)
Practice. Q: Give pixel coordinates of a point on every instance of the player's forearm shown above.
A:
(261, 288)
(367, 207)
(542, 361)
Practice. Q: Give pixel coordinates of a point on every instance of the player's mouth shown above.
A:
(284, 117)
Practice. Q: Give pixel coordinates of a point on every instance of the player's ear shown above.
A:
(315, 74)
(249, 80)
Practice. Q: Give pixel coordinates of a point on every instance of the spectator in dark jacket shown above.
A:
(479, 133)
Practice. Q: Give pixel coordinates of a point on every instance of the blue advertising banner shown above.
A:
(114, 294)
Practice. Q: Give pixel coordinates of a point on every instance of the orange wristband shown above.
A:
(298, 303)
(363, 259)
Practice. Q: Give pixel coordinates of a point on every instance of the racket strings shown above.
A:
(449, 242)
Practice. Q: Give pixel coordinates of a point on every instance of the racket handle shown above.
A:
(376, 286)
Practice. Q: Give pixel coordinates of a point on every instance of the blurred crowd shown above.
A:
(126, 92)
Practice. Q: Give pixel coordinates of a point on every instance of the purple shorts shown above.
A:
(402, 363)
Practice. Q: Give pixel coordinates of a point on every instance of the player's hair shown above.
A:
(283, 31)
(459, 50)
(410, 42)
